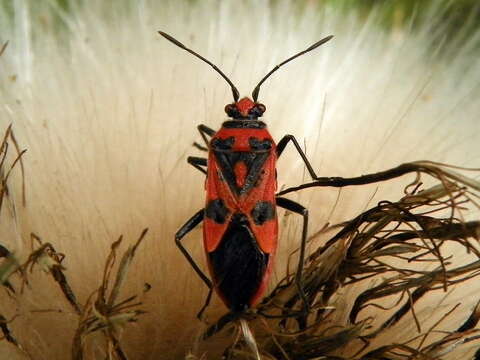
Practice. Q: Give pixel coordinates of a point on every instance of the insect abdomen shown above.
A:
(238, 265)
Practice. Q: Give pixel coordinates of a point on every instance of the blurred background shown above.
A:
(108, 110)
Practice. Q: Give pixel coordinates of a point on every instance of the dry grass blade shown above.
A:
(8, 336)
(123, 268)
(399, 252)
(108, 316)
(10, 263)
(6, 171)
(51, 261)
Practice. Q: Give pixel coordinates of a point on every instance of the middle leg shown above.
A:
(198, 163)
(184, 230)
(290, 138)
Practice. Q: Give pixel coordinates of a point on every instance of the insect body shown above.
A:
(240, 220)
(240, 223)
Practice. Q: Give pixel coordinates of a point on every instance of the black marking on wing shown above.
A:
(255, 169)
(217, 211)
(238, 264)
(262, 212)
(223, 144)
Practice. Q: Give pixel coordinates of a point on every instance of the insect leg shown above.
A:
(207, 302)
(204, 131)
(298, 209)
(283, 143)
(198, 163)
(184, 230)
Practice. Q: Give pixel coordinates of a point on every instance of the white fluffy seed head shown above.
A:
(108, 110)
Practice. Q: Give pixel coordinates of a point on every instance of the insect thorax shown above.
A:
(241, 154)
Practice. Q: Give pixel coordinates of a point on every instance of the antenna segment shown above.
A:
(236, 94)
(314, 46)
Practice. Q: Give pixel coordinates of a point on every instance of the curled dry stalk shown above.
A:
(386, 260)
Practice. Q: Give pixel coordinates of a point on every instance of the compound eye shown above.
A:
(261, 108)
(231, 110)
(257, 110)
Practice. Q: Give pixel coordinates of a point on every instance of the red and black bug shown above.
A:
(239, 219)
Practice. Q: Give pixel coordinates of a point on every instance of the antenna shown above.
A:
(236, 94)
(314, 46)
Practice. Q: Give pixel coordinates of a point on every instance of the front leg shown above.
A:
(283, 143)
(204, 131)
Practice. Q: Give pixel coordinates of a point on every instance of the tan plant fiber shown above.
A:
(107, 111)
